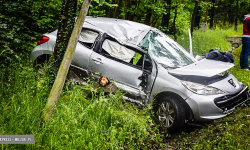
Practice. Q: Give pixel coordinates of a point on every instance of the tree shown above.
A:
(115, 10)
(204, 24)
(236, 16)
(166, 17)
(21, 24)
(193, 15)
(66, 25)
(148, 16)
(175, 16)
(64, 67)
(212, 15)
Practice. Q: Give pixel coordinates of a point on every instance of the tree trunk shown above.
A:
(115, 10)
(125, 9)
(193, 15)
(128, 13)
(133, 6)
(136, 18)
(197, 18)
(64, 67)
(148, 16)
(66, 25)
(212, 15)
(236, 16)
(174, 28)
(204, 24)
(206, 12)
(166, 17)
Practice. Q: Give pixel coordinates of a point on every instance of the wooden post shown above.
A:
(64, 67)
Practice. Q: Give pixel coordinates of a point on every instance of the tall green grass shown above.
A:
(210, 39)
(84, 118)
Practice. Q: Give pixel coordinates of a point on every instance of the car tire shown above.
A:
(40, 61)
(170, 113)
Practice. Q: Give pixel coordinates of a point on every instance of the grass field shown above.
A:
(87, 119)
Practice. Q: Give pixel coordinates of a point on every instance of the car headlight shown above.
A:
(201, 89)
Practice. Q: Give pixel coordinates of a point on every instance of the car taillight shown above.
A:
(42, 39)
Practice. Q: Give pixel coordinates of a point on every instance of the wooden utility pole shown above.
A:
(64, 67)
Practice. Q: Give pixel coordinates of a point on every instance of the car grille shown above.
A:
(231, 101)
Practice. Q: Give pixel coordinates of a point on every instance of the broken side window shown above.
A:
(88, 37)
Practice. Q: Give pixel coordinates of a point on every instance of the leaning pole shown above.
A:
(64, 67)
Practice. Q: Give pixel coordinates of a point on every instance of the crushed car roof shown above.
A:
(123, 30)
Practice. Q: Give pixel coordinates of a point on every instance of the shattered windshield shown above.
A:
(165, 50)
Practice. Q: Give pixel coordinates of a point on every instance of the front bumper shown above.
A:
(207, 108)
(229, 102)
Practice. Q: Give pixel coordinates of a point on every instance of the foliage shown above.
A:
(211, 39)
(65, 28)
(21, 24)
(85, 118)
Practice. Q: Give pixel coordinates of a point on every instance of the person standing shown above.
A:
(246, 43)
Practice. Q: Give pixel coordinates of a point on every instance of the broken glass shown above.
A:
(165, 50)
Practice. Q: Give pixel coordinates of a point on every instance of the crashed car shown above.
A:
(152, 68)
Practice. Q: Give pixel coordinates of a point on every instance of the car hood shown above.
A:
(203, 67)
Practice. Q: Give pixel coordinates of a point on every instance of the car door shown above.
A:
(123, 65)
(84, 49)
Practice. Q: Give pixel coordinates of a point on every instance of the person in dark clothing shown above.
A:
(246, 43)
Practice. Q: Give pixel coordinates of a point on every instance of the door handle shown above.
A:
(97, 60)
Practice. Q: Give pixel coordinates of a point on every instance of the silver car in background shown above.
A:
(152, 68)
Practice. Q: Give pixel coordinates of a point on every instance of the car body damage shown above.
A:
(152, 68)
(205, 67)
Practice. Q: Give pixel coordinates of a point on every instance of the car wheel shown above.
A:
(40, 62)
(170, 113)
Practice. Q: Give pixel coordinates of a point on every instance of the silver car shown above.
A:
(152, 68)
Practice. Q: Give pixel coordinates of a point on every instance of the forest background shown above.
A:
(23, 21)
